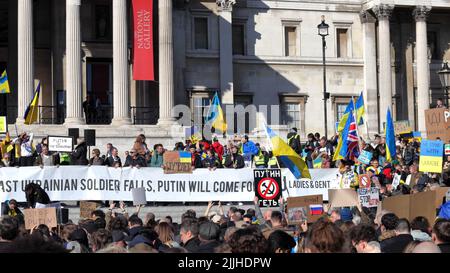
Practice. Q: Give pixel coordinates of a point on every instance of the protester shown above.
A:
(234, 160)
(79, 155)
(441, 235)
(47, 159)
(280, 242)
(364, 239)
(96, 160)
(9, 230)
(10, 208)
(324, 237)
(113, 160)
(294, 140)
(420, 229)
(157, 159)
(135, 160)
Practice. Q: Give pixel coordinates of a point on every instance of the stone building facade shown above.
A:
(252, 52)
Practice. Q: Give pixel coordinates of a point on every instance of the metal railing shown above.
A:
(145, 115)
(100, 115)
(51, 114)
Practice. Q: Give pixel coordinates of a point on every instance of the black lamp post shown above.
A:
(323, 31)
(444, 76)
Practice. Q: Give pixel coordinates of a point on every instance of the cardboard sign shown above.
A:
(447, 149)
(3, 125)
(400, 205)
(402, 127)
(139, 196)
(60, 144)
(267, 186)
(86, 208)
(303, 208)
(177, 162)
(369, 197)
(342, 198)
(437, 122)
(36, 217)
(365, 157)
(431, 152)
(364, 181)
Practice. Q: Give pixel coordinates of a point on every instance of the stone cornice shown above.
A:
(366, 17)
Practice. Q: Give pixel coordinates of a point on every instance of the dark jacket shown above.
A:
(96, 162)
(237, 162)
(207, 246)
(130, 162)
(396, 244)
(11, 164)
(211, 162)
(294, 142)
(35, 194)
(445, 248)
(310, 146)
(192, 245)
(79, 155)
(110, 161)
(196, 161)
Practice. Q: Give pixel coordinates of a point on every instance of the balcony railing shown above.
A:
(144, 115)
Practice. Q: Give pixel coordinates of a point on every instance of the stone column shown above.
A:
(121, 86)
(370, 72)
(225, 8)
(74, 92)
(383, 12)
(423, 70)
(25, 57)
(166, 84)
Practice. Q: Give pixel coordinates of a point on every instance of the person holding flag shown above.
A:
(348, 144)
(4, 84)
(391, 150)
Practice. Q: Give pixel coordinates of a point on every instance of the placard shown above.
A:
(437, 122)
(342, 198)
(177, 162)
(139, 196)
(447, 149)
(309, 208)
(402, 127)
(364, 181)
(431, 152)
(36, 217)
(369, 197)
(3, 125)
(60, 144)
(267, 186)
(365, 157)
(86, 208)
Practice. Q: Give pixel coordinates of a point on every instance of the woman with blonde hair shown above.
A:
(166, 234)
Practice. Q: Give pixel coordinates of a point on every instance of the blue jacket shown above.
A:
(249, 148)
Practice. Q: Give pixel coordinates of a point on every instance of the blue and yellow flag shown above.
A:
(289, 157)
(317, 163)
(215, 115)
(348, 143)
(31, 114)
(344, 118)
(359, 105)
(4, 84)
(391, 150)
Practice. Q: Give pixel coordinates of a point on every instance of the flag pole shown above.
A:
(355, 116)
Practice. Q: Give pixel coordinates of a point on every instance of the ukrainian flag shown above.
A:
(31, 114)
(350, 108)
(289, 157)
(391, 150)
(185, 157)
(4, 85)
(215, 115)
(359, 105)
(317, 163)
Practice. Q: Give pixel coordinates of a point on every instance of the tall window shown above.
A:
(200, 102)
(291, 114)
(201, 33)
(342, 40)
(238, 39)
(433, 47)
(290, 41)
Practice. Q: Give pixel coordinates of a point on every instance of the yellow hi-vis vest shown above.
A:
(259, 159)
(273, 161)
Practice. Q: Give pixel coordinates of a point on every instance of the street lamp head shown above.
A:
(444, 75)
(323, 27)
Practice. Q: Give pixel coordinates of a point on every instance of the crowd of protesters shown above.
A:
(340, 230)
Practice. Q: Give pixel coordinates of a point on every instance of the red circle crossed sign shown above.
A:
(268, 188)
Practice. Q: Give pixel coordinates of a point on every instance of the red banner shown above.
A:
(143, 40)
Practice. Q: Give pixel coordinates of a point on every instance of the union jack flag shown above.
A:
(352, 139)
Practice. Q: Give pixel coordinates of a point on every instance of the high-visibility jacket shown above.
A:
(64, 159)
(259, 159)
(273, 162)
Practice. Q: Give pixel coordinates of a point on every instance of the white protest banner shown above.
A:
(78, 183)
(369, 197)
(60, 144)
(322, 180)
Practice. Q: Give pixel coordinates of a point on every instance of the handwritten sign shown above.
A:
(3, 125)
(177, 162)
(36, 217)
(437, 122)
(86, 208)
(60, 144)
(369, 197)
(402, 127)
(431, 152)
(365, 157)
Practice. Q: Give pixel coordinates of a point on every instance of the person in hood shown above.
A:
(79, 155)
